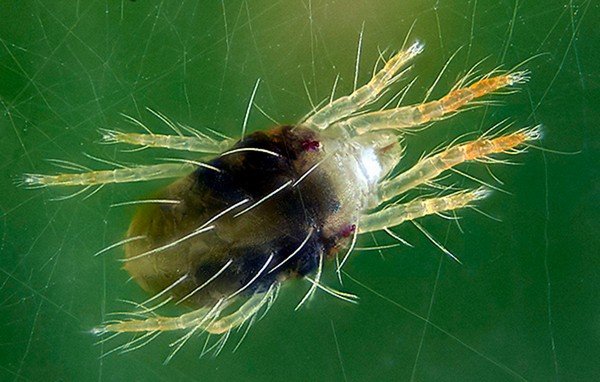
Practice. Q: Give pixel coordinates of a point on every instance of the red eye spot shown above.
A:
(310, 145)
(349, 230)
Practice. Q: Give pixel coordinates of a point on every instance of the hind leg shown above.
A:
(206, 319)
(246, 312)
(119, 175)
(196, 143)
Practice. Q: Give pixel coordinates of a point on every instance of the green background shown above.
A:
(523, 306)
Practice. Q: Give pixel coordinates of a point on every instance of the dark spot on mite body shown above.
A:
(283, 222)
(249, 173)
(277, 226)
(348, 230)
(248, 262)
(310, 145)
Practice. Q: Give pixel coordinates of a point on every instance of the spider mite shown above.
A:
(247, 215)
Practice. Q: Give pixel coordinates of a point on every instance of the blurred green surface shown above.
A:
(523, 306)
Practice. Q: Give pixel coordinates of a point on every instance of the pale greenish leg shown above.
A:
(158, 323)
(365, 95)
(203, 318)
(398, 214)
(245, 312)
(430, 167)
(101, 177)
(196, 143)
(419, 114)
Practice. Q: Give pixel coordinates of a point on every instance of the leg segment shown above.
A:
(120, 175)
(248, 310)
(396, 215)
(415, 115)
(203, 318)
(429, 168)
(158, 323)
(345, 106)
(197, 143)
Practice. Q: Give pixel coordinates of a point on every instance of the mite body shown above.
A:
(270, 214)
(277, 204)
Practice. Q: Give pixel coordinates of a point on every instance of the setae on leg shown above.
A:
(429, 168)
(120, 175)
(244, 313)
(196, 143)
(366, 94)
(206, 319)
(398, 214)
(416, 115)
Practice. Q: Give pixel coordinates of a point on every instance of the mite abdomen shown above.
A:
(266, 226)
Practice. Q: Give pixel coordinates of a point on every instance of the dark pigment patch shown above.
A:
(276, 227)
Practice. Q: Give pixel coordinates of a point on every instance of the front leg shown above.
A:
(363, 96)
(398, 214)
(417, 115)
(429, 168)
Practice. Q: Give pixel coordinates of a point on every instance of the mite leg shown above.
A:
(416, 115)
(429, 168)
(246, 312)
(154, 324)
(196, 143)
(345, 106)
(398, 214)
(120, 175)
(203, 318)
